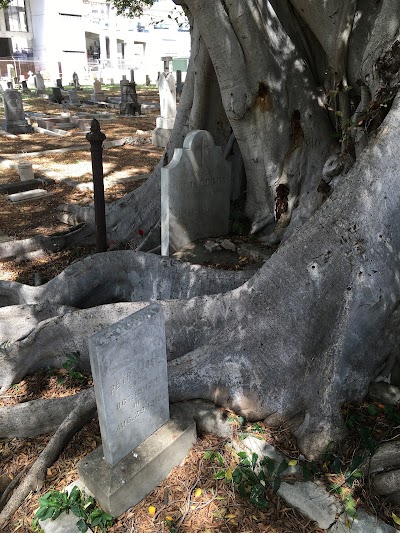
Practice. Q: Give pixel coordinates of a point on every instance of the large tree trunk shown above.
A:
(301, 336)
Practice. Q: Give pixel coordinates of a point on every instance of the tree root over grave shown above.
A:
(122, 276)
(41, 245)
(37, 417)
(78, 417)
(290, 345)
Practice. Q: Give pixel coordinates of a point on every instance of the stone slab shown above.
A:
(26, 195)
(120, 487)
(195, 193)
(129, 367)
(312, 501)
(363, 523)
(65, 523)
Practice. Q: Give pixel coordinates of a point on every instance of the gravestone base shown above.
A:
(160, 137)
(118, 488)
(17, 126)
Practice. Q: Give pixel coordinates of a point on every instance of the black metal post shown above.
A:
(96, 138)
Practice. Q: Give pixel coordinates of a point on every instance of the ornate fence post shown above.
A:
(96, 138)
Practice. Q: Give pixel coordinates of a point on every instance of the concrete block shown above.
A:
(118, 488)
(364, 523)
(312, 501)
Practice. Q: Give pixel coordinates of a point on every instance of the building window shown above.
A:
(15, 16)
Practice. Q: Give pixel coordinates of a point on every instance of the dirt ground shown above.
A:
(40, 216)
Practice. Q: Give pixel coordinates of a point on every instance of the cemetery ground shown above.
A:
(199, 495)
(41, 216)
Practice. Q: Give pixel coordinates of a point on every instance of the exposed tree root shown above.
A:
(41, 245)
(81, 414)
(123, 276)
(29, 419)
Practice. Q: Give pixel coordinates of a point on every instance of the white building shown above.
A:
(87, 37)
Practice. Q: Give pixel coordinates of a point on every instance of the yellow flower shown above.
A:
(152, 510)
(169, 518)
(198, 492)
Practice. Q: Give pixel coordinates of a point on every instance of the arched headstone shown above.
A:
(195, 193)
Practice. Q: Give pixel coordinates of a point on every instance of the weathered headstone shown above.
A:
(129, 101)
(57, 95)
(24, 86)
(40, 86)
(15, 121)
(11, 73)
(129, 365)
(165, 122)
(147, 80)
(73, 97)
(195, 193)
(97, 95)
(140, 444)
(25, 171)
(59, 83)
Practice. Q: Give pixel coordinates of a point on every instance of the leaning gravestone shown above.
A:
(165, 122)
(195, 193)
(15, 121)
(140, 444)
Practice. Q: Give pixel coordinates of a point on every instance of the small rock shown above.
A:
(212, 246)
(312, 501)
(385, 393)
(363, 523)
(227, 245)
(387, 484)
(387, 456)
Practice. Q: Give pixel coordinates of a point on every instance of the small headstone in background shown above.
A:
(165, 122)
(24, 86)
(40, 86)
(25, 171)
(15, 121)
(31, 80)
(73, 97)
(57, 95)
(148, 80)
(97, 95)
(59, 83)
(195, 193)
(129, 101)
